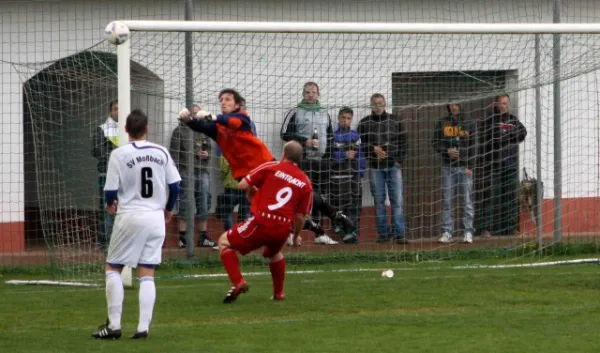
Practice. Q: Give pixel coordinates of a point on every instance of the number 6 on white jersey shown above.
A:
(283, 196)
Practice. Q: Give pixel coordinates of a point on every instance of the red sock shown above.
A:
(278, 273)
(232, 265)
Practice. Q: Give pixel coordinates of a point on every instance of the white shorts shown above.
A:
(137, 238)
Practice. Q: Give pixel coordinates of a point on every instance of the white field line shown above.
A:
(308, 272)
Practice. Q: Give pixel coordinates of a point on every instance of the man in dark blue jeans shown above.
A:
(384, 141)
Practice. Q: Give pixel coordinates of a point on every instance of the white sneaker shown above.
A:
(325, 240)
(468, 238)
(445, 238)
(290, 241)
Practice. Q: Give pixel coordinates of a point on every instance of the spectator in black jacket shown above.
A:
(105, 139)
(384, 141)
(500, 136)
(455, 141)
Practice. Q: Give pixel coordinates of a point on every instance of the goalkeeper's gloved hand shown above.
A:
(202, 114)
(184, 114)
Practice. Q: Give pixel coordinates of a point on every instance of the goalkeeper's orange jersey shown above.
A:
(233, 133)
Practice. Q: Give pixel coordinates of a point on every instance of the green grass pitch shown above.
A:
(424, 308)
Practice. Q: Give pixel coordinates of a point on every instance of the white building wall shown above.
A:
(270, 69)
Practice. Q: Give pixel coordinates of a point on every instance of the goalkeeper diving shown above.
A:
(232, 131)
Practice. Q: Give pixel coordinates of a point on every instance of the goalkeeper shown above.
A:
(232, 131)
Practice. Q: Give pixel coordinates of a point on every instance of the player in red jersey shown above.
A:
(232, 131)
(281, 197)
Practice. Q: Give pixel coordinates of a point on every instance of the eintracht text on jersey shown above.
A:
(290, 179)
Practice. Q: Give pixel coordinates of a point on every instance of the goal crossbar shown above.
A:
(363, 27)
(124, 54)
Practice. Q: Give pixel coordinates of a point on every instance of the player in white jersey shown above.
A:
(138, 176)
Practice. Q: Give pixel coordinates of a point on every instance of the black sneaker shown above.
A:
(234, 291)
(400, 240)
(383, 240)
(106, 333)
(205, 241)
(182, 241)
(139, 335)
(343, 221)
(314, 227)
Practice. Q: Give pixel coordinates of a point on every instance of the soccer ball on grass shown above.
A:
(116, 32)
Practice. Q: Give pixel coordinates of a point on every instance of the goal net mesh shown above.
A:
(419, 76)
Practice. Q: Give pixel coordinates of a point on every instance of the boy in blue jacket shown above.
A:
(347, 168)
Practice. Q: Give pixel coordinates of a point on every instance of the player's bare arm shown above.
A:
(250, 190)
(173, 192)
(112, 208)
(111, 193)
(299, 222)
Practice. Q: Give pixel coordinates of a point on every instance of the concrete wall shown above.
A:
(269, 69)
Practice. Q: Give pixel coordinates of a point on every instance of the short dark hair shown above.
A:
(377, 95)
(136, 123)
(448, 107)
(112, 103)
(236, 96)
(311, 83)
(500, 96)
(293, 152)
(345, 110)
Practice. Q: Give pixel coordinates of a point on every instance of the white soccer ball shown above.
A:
(116, 32)
(387, 273)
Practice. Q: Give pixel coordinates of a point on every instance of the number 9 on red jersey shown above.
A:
(283, 191)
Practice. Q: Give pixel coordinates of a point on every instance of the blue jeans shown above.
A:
(202, 197)
(106, 221)
(454, 181)
(390, 180)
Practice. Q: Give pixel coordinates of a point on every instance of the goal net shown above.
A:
(503, 86)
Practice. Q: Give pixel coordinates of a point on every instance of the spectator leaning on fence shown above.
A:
(384, 140)
(455, 141)
(105, 139)
(347, 167)
(202, 197)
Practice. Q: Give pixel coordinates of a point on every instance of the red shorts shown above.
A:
(250, 235)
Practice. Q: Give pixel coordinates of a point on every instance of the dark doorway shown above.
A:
(420, 98)
(62, 105)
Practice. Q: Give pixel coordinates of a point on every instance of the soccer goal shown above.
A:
(532, 71)
(545, 75)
